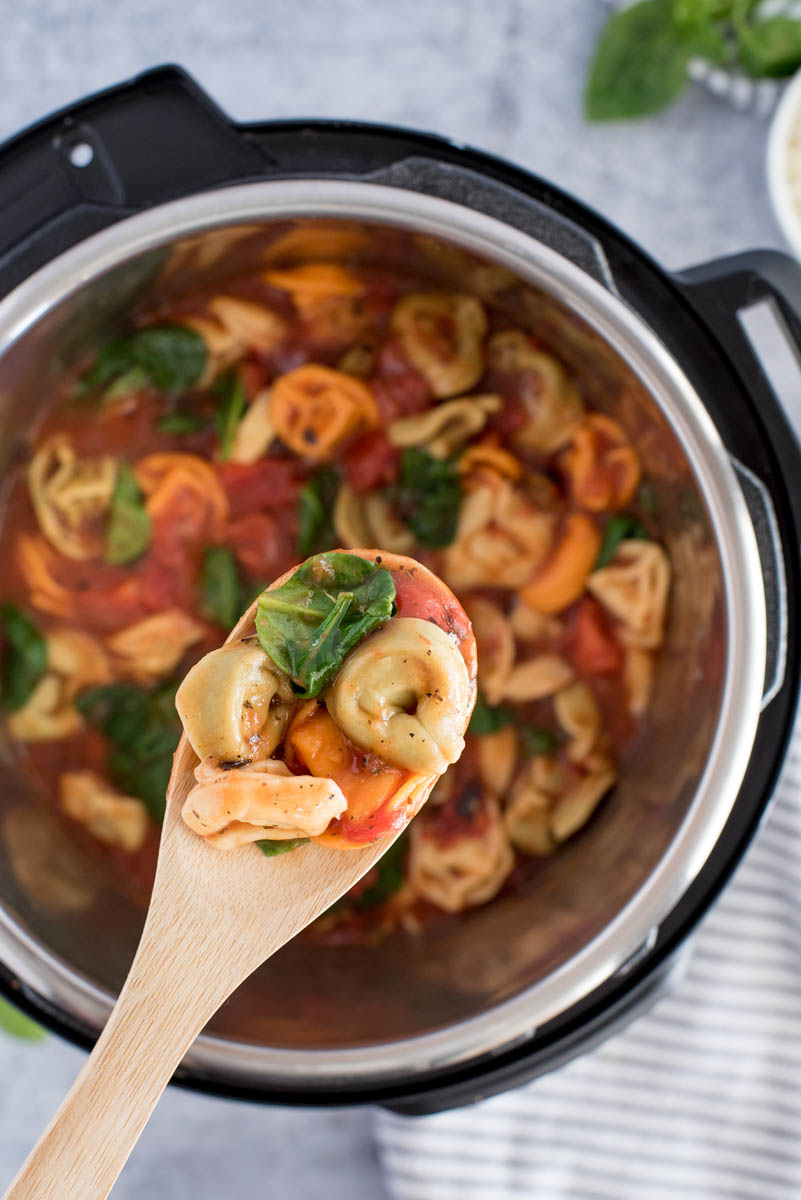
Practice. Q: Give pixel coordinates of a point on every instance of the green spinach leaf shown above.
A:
(231, 403)
(770, 48)
(311, 622)
(170, 357)
(315, 511)
(640, 63)
(390, 876)
(144, 729)
(270, 848)
(619, 528)
(536, 740)
(129, 526)
(486, 719)
(427, 497)
(221, 587)
(16, 1023)
(25, 659)
(181, 423)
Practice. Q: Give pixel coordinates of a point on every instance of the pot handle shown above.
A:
(141, 143)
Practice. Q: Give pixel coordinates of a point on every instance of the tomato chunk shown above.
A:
(595, 650)
(266, 485)
(371, 461)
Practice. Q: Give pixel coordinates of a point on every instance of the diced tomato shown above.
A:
(111, 608)
(371, 461)
(263, 543)
(397, 387)
(266, 485)
(509, 419)
(415, 597)
(254, 376)
(592, 645)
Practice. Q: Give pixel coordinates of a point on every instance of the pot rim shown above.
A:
(517, 1018)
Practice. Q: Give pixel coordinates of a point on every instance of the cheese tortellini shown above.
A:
(442, 334)
(405, 694)
(71, 497)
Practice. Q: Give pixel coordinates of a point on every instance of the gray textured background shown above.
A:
(504, 75)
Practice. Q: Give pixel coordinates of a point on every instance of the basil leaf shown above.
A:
(486, 719)
(619, 529)
(536, 740)
(770, 48)
(231, 405)
(129, 525)
(221, 589)
(171, 357)
(144, 729)
(309, 624)
(271, 848)
(390, 877)
(18, 1025)
(315, 511)
(25, 659)
(181, 423)
(427, 497)
(639, 66)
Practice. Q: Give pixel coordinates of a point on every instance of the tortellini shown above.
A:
(262, 800)
(109, 816)
(442, 334)
(314, 409)
(551, 801)
(231, 326)
(367, 521)
(255, 431)
(149, 650)
(496, 646)
(405, 694)
(74, 661)
(536, 678)
(444, 428)
(463, 869)
(234, 704)
(634, 589)
(71, 497)
(552, 405)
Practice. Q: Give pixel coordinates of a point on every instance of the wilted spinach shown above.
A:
(129, 526)
(427, 497)
(144, 729)
(222, 592)
(619, 528)
(231, 403)
(389, 878)
(270, 848)
(25, 658)
(311, 622)
(315, 511)
(486, 719)
(170, 357)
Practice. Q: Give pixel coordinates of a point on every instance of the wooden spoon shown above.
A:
(214, 917)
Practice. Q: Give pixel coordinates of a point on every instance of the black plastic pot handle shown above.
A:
(145, 142)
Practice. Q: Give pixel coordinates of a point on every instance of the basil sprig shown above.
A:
(25, 659)
(143, 728)
(170, 357)
(222, 591)
(309, 624)
(129, 526)
(641, 59)
(619, 528)
(427, 497)
(315, 511)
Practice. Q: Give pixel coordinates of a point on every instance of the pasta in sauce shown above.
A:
(297, 410)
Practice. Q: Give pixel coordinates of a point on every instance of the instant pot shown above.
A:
(149, 190)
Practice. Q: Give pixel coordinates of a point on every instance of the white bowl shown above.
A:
(785, 126)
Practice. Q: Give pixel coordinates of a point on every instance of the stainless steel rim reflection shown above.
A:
(515, 1019)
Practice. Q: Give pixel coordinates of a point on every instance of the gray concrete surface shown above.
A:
(505, 75)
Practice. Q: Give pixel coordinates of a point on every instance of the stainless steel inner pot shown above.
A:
(488, 980)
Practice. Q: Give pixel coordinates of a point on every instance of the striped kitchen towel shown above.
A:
(699, 1099)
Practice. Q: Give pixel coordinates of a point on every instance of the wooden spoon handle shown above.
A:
(169, 996)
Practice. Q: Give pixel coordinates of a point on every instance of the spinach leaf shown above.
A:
(231, 403)
(171, 357)
(129, 525)
(181, 423)
(536, 740)
(427, 496)
(770, 48)
(619, 529)
(25, 659)
(390, 876)
(18, 1025)
(270, 848)
(486, 719)
(309, 624)
(640, 63)
(221, 588)
(315, 511)
(144, 729)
